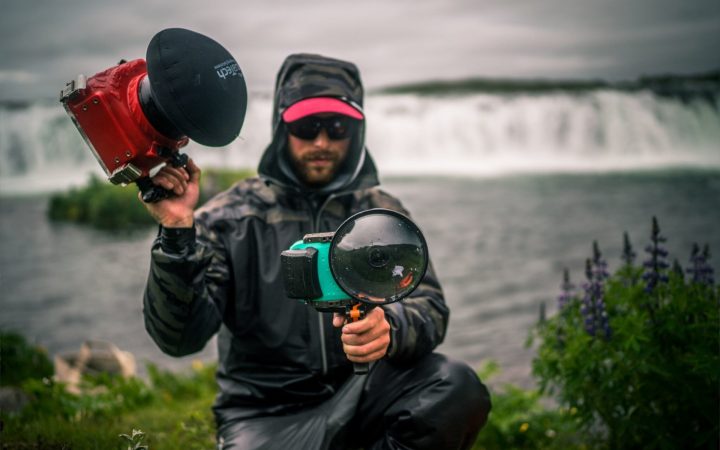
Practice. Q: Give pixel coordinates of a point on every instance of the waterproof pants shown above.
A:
(435, 403)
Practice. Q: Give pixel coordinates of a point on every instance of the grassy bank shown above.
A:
(183, 423)
(101, 204)
(173, 410)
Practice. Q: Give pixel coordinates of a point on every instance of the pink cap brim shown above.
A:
(318, 105)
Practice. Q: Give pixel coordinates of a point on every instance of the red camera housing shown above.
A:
(107, 112)
(137, 115)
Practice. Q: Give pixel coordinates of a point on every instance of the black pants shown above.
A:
(435, 403)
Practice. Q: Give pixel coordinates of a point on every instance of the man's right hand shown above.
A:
(184, 183)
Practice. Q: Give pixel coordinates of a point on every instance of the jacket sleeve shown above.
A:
(188, 276)
(419, 322)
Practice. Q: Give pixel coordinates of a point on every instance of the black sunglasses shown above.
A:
(337, 127)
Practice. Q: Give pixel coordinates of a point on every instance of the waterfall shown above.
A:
(468, 135)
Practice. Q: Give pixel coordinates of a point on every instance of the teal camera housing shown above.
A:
(332, 297)
(332, 293)
(375, 257)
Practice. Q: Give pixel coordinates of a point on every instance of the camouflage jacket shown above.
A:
(224, 277)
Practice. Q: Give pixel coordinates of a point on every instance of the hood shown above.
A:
(304, 76)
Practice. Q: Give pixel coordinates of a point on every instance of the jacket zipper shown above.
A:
(315, 225)
(315, 229)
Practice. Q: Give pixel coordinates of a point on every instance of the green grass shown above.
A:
(168, 423)
(171, 409)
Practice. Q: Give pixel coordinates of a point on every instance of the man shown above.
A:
(285, 373)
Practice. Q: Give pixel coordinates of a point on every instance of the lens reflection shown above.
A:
(378, 256)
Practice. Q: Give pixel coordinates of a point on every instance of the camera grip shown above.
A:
(353, 313)
(361, 368)
(150, 192)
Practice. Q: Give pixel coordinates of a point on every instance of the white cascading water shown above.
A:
(473, 135)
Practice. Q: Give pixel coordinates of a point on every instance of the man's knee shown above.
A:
(443, 404)
(467, 392)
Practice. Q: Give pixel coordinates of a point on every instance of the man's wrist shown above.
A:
(177, 240)
(185, 222)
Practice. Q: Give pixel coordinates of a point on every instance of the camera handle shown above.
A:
(150, 192)
(353, 313)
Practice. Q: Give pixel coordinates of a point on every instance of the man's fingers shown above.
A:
(169, 183)
(179, 174)
(193, 170)
(173, 179)
(367, 358)
(374, 318)
(371, 348)
(338, 320)
(164, 182)
(365, 337)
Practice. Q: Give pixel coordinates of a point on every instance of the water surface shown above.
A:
(499, 246)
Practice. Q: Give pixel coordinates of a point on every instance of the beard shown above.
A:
(318, 168)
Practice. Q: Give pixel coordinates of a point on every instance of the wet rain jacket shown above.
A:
(276, 355)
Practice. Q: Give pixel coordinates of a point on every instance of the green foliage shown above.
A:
(135, 439)
(214, 181)
(106, 206)
(104, 396)
(655, 382)
(101, 205)
(523, 419)
(20, 361)
(170, 385)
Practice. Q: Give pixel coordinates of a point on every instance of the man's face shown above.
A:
(317, 161)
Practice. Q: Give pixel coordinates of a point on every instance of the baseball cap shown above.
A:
(318, 105)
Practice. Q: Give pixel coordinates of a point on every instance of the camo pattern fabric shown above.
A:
(276, 354)
(225, 275)
(305, 75)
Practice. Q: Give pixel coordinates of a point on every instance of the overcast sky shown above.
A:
(44, 43)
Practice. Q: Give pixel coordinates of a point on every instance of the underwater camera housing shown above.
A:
(137, 115)
(375, 257)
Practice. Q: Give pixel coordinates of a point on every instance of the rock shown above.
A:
(93, 358)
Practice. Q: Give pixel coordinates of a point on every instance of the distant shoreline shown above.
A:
(694, 85)
(707, 83)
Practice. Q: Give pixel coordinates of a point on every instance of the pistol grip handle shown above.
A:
(151, 193)
(353, 313)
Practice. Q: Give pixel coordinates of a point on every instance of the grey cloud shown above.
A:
(45, 43)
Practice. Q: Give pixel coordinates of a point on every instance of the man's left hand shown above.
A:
(366, 340)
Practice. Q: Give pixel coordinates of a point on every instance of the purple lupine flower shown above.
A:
(586, 308)
(655, 265)
(593, 304)
(599, 265)
(628, 254)
(701, 270)
(566, 294)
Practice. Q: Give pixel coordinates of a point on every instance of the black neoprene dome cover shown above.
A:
(198, 85)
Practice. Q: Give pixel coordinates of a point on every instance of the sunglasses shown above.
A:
(337, 127)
